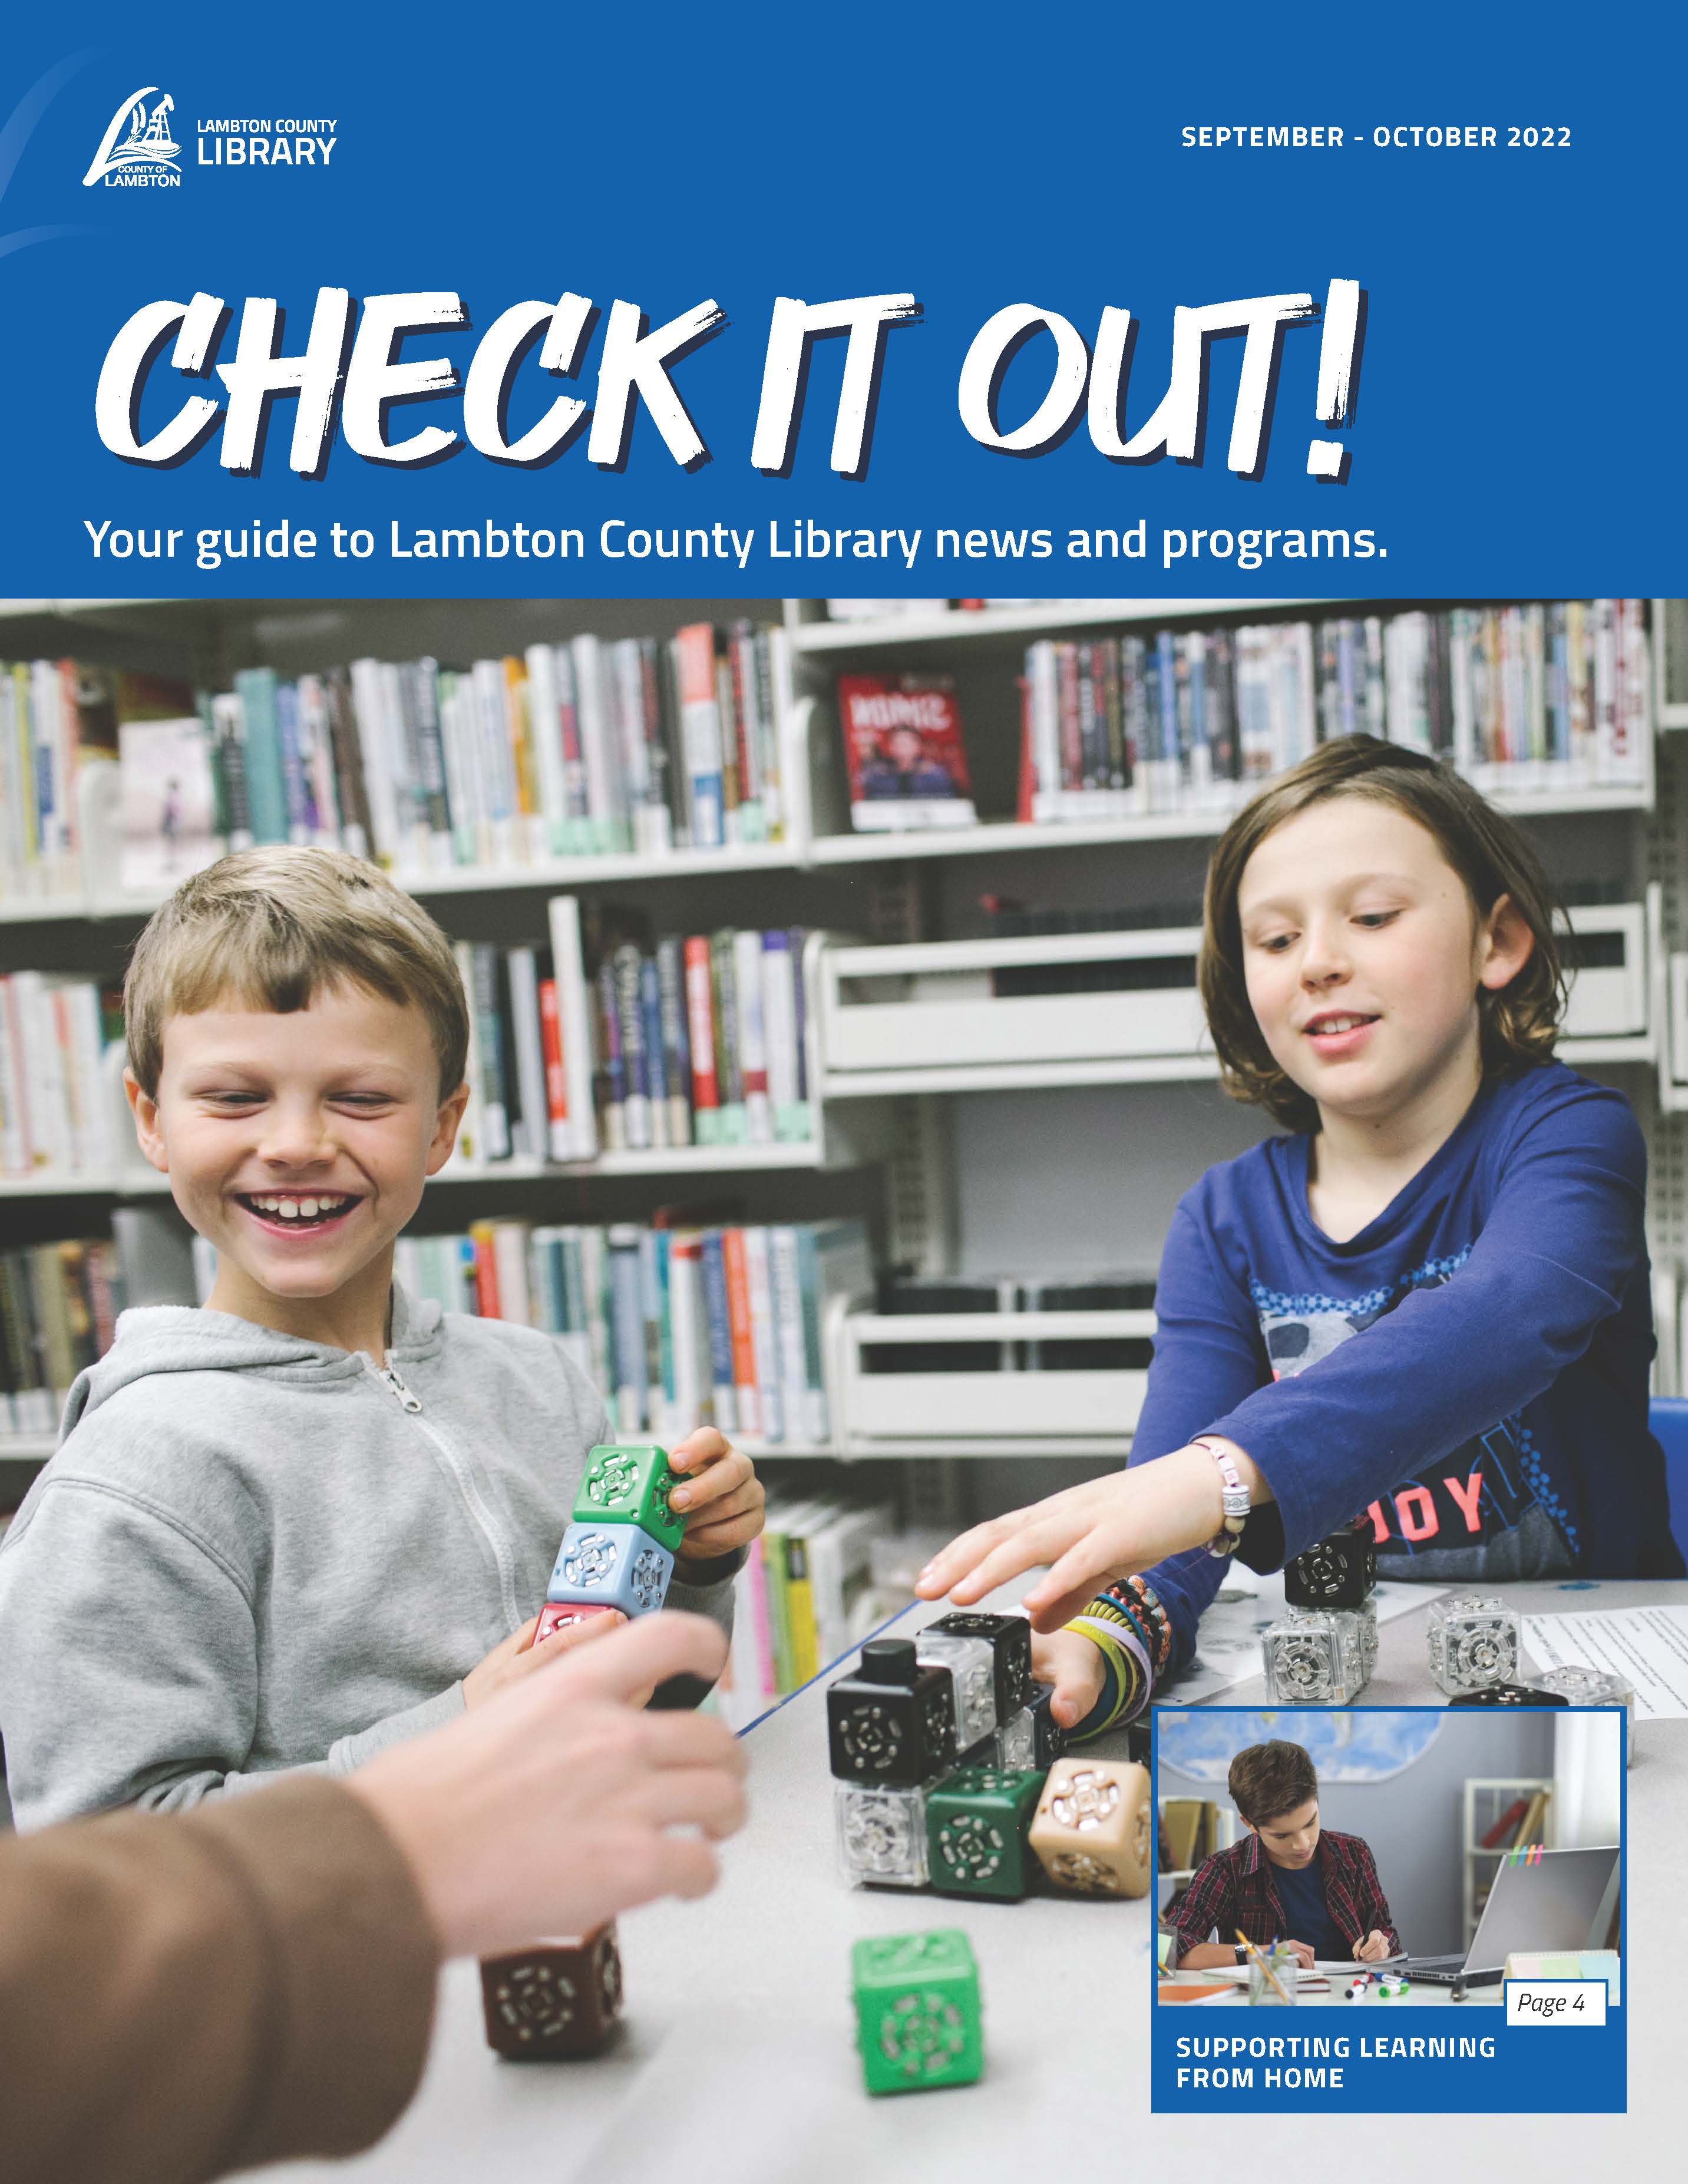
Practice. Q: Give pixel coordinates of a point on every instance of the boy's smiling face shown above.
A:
(297, 1145)
(1364, 954)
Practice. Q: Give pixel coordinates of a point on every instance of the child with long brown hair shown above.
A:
(1428, 1302)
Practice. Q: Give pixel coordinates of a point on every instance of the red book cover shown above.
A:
(486, 1270)
(551, 1050)
(908, 766)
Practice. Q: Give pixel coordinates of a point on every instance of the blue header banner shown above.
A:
(916, 302)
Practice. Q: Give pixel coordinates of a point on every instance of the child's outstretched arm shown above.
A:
(1208, 1358)
(1562, 1240)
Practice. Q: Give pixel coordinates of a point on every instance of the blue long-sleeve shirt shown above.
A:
(1470, 1370)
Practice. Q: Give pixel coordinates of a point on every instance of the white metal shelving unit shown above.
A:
(1067, 1162)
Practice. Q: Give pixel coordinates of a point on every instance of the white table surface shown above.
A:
(736, 2060)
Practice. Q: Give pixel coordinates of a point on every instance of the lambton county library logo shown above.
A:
(147, 155)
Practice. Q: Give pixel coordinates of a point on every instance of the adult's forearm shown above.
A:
(243, 1983)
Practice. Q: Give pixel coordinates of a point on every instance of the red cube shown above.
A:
(560, 1614)
(556, 1998)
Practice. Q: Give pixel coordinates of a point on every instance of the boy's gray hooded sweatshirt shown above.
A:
(253, 1552)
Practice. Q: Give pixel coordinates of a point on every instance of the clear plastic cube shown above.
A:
(1366, 1616)
(972, 1662)
(1307, 1661)
(1359, 1636)
(1016, 1741)
(1472, 1642)
(1594, 1687)
(880, 1835)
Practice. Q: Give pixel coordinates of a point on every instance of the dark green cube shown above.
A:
(630, 1483)
(918, 2011)
(976, 1824)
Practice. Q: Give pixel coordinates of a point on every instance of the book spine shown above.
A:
(628, 966)
(560, 1141)
(747, 984)
(779, 1035)
(764, 1334)
(740, 1330)
(656, 1052)
(626, 1330)
(533, 1139)
(379, 776)
(486, 1263)
(489, 1029)
(700, 734)
(677, 1057)
(265, 781)
(352, 791)
(612, 1075)
(788, 1304)
(728, 1063)
(510, 1256)
(719, 1326)
(574, 1015)
(700, 1026)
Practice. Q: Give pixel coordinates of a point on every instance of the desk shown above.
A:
(1417, 1997)
(736, 2062)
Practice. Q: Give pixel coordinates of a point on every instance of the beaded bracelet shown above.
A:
(1124, 1657)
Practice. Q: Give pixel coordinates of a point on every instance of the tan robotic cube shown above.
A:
(1093, 1828)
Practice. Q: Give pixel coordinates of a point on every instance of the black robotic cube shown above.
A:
(1338, 1572)
(1509, 1695)
(892, 1724)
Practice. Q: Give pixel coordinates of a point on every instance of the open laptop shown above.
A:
(1560, 1899)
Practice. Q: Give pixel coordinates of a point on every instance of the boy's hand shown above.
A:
(1074, 1663)
(1108, 1528)
(721, 1498)
(517, 1657)
(1302, 1952)
(1373, 1949)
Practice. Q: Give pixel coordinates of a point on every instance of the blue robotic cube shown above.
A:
(613, 1566)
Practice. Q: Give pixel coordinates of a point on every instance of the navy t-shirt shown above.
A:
(1469, 1370)
(1300, 1891)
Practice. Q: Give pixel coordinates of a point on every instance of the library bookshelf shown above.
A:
(978, 1143)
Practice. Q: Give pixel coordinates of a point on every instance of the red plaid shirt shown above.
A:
(1234, 1888)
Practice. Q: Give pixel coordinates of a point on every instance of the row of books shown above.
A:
(58, 718)
(1523, 700)
(611, 1039)
(59, 1308)
(579, 749)
(607, 1039)
(59, 1100)
(799, 1597)
(680, 1325)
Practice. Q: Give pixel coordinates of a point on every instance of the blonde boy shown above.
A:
(315, 1518)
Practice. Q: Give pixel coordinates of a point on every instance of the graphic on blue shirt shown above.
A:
(1480, 1490)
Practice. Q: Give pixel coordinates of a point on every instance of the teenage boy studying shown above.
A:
(315, 1518)
(1427, 1305)
(1288, 1880)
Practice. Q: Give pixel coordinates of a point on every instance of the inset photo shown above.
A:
(1389, 1866)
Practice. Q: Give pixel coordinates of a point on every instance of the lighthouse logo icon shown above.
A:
(137, 137)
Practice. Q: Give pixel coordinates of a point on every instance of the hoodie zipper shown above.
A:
(410, 1403)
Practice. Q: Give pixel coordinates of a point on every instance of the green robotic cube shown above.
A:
(630, 1485)
(976, 1823)
(918, 2011)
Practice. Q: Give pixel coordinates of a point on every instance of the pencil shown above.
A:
(1263, 1962)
